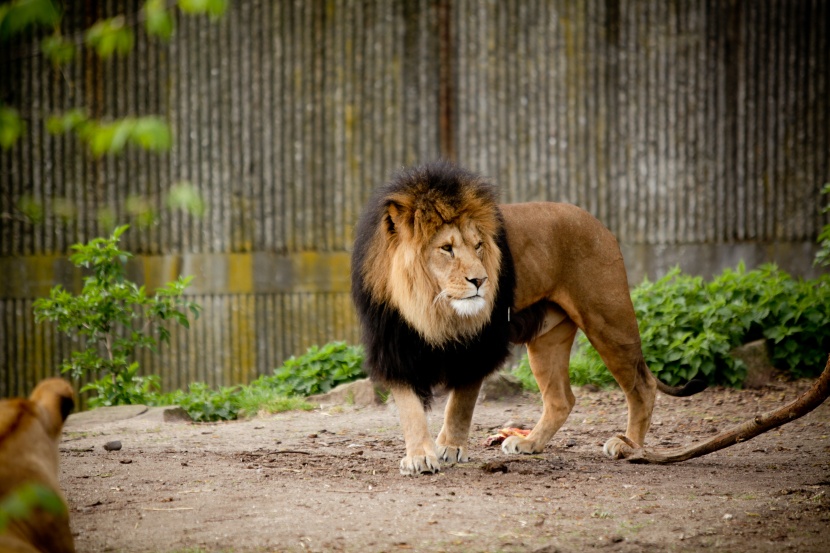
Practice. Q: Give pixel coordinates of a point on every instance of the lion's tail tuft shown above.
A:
(691, 388)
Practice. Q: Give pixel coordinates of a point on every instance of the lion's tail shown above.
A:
(691, 388)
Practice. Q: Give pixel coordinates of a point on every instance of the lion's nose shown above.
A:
(477, 282)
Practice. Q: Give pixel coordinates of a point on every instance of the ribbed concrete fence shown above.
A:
(697, 131)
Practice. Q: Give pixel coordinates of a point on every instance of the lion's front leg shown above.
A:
(420, 449)
(452, 440)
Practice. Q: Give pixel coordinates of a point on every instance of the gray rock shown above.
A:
(755, 356)
(500, 385)
(360, 392)
(175, 414)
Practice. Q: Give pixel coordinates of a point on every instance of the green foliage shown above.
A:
(157, 19)
(525, 375)
(106, 37)
(58, 49)
(11, 127)
(149, 133)
(125, 387)
(317, 371)
(214, 8)
(823, 255)
(587, 366)
(185, 197)
(110, 36)
(113, 317)
(25, 499)
(21, 15)
(255, 399)
(688, 326)
(205, 405)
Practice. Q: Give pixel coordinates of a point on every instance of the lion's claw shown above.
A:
(452, 454)
(517, 445)
(419, 464)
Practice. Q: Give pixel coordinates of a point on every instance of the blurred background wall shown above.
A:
(697, 131)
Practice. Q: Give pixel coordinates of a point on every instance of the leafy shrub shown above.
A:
(823, 255)
(124, 388)
(204, 404)
(317, 371)
(113, 317)
(688, 326)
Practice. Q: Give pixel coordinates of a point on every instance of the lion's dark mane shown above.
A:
(395, 352)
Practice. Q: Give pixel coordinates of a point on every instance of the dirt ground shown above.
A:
(327, 480)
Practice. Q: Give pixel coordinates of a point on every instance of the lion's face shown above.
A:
(454, 258)
(434, 257)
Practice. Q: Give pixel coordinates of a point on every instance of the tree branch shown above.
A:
(808, 401)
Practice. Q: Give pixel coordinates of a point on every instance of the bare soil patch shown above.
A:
(327, 480)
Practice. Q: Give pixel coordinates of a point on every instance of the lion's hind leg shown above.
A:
(549, 356)
(452, 440)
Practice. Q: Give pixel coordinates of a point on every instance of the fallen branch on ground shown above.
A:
(808, 401)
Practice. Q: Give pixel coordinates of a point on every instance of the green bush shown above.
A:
(689, 326)
(204, 404)
(823, 255)
(113, 318)
(317, 371)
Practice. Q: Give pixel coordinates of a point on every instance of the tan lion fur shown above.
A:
(29, 435)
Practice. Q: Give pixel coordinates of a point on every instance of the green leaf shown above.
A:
(72, 120)
(19, 15)
(214, 8)
(11, 127)
(151, 133)
(157, 19)
(110, 36)
(59, 50)
(186, 197)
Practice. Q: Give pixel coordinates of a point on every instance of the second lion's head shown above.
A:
(431, 250)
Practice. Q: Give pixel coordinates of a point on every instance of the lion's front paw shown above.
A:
(618, 447)
(452, 454)
(517, 444)
(419, 464)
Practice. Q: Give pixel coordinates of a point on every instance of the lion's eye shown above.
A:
(447, 248)
(479, 246)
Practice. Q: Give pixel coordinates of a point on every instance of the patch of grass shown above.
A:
(253, 400)
(586, 367)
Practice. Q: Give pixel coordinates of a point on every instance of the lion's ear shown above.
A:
(56, 399)
(397, 217)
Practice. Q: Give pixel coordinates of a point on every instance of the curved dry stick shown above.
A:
(808, 401)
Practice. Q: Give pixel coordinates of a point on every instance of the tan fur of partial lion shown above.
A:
(29, 435)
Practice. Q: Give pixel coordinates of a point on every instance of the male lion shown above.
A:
(443, 279)
(29, 433)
